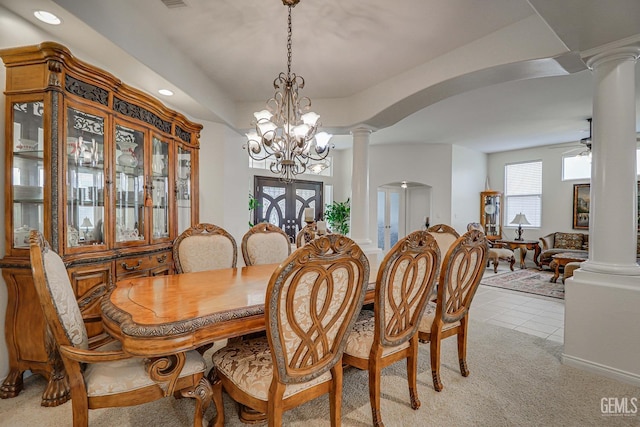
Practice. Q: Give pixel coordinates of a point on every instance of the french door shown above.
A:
(283, 204)
(391, 225)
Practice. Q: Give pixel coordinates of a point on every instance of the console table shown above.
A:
(523, 245)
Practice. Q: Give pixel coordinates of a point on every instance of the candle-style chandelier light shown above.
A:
(286, 130)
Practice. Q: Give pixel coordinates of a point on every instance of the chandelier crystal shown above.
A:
(286, 130)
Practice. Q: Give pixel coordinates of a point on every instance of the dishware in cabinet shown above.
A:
(159, 189)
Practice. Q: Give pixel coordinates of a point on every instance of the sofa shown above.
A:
(559, 242)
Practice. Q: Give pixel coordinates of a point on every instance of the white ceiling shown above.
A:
(417, 71)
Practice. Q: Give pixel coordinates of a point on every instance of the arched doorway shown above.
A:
(402, 207)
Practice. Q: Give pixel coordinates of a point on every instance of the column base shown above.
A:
(601, 310)
(632, 269)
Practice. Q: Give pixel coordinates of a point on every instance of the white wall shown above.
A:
(468, 175)
(557, 195)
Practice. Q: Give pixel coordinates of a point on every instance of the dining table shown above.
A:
(162, 317)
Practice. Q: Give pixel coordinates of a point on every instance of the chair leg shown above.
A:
(202, 392)
(511, 262)
(435, 358)
(274, 406)
(495, 265)
(335, 395)
(412, 372)
(216, 393)
(462, 346)
(374, 387)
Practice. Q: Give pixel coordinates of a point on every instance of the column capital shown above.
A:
(361, 131)
(627, 53)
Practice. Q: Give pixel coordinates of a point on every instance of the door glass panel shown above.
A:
(183, 188)
(394, 217)
(160, 188)
(129, 189)
(28, 171)
(85, 178)
(381, 219)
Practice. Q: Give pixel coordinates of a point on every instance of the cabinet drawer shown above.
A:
(127, 266)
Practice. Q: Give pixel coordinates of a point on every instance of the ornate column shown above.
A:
(360, 187)
(613, 218)
(603, 296)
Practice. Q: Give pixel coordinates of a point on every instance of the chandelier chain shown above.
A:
(289, 37)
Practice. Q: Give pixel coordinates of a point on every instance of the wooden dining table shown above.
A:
(162, 317)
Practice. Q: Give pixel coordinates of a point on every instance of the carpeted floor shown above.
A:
(530, 280)
(516, 380)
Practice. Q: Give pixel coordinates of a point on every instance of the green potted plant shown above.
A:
(337, 215)
(253, 204)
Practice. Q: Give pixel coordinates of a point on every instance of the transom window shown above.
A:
(579, 167)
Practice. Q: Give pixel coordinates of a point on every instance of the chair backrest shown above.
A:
(464, 266)
(475, 226)
(265, 243)
(307, 234)
(313, 299)
(445, 236)
(58, 301)
(405, 280)
(204, 247)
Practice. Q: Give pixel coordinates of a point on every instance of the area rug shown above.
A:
(531, 281)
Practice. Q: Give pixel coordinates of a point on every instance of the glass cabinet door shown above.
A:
(28, 174)
(160, 188)
(129, 185)
(183, 188)
(491, 214)
(85, 178)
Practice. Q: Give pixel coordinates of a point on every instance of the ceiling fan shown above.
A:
(585, 144)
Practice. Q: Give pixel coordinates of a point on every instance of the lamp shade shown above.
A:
(86, 222)
(520, 219)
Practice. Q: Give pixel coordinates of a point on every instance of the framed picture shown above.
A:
(581, 203)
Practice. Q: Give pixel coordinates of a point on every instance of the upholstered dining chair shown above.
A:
(265, 243)
(388, 334)
(312, 301)
(204, 247)
(445, 236)
(104, 377)
(496, 251)
(463, 267)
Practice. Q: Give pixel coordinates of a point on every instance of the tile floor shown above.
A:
(532, 314)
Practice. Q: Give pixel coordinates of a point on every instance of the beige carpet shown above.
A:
(516, 380)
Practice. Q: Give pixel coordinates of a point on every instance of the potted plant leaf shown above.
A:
(337, 215)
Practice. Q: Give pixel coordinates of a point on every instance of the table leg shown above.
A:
(536, 255)
(523, 255)
(554, 265)
(166, 369)
(216, 387)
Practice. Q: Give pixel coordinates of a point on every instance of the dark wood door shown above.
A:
(283, 203)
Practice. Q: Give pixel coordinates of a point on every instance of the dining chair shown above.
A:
(463, 267)
(265, 243)
(204, 247)
(389, 333)
(104, 377)
(445, 236)
(497, 251)
(312, 301)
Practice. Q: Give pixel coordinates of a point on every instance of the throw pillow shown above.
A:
(568, 240)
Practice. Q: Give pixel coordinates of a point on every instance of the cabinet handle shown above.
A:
(161, 258)
(131, 267)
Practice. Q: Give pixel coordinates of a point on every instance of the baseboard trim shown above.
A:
(603, 370)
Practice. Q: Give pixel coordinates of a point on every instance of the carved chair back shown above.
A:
(204, 247)
(313, 299)
(445, 236)
(265, 243)
(405, 280)
(464, 266)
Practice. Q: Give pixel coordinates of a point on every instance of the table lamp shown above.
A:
(520, 219)
(86, 223)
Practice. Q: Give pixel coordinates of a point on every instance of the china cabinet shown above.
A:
(491, 214)
(107, 173)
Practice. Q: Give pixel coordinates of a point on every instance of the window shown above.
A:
(523, 191)
(579, 167)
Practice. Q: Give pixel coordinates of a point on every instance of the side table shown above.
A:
(562, 259)
(523, 245)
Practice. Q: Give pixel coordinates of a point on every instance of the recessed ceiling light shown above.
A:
(47, 17)
(165, 92)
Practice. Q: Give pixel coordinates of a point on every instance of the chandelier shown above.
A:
(286, 130)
